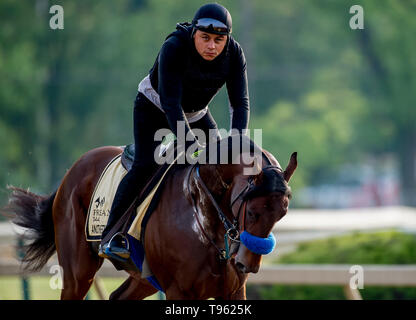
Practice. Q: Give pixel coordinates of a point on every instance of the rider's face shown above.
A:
(209, 45)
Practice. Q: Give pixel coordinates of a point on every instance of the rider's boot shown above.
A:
(129, 187)
(117, 245)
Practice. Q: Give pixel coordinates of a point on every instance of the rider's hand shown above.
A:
(195, 143)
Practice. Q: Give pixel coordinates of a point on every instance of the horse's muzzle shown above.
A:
(242, 268)
(247, 261)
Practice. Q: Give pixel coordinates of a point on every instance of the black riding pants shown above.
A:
(147, 120)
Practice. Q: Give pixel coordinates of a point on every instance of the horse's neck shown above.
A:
(216, 185)
(213, 179)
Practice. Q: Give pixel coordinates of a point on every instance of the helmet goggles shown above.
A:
(211, 26)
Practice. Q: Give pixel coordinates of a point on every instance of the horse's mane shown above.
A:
(224, 150)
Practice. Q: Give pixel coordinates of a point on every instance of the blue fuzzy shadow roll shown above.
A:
(258, 245)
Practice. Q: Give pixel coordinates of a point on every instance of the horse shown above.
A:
(185, 236)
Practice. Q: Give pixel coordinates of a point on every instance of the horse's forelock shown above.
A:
(271, 181)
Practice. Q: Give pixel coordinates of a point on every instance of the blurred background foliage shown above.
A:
(383, 247)
(337, 96)
(342, 98)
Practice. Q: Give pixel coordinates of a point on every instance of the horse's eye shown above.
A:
(252, 215)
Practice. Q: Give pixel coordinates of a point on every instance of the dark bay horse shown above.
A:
(183, 234)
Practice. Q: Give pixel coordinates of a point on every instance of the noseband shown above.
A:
(234, 231)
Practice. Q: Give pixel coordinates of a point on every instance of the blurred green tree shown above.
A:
(331, 93)
(20, 78)
(387, 45)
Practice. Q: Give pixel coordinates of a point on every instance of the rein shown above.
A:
(232, 233)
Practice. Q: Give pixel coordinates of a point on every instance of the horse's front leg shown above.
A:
(240, 294)
(174, 293)
(134, 288)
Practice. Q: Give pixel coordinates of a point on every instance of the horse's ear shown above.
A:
(291, 167)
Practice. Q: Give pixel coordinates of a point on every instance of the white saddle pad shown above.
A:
(102, 199)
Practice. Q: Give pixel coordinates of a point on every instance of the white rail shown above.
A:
(294, 274)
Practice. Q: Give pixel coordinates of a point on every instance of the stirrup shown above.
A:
(106, 250)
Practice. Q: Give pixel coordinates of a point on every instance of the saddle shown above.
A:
(127, 157)
(125, 220)
(134, 218)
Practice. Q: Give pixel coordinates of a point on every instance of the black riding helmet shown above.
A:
(212, 18)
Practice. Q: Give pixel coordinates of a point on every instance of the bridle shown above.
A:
(234, 228)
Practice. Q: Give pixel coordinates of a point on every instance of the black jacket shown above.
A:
(186, 82)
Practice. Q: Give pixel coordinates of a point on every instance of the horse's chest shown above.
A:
(223, 284)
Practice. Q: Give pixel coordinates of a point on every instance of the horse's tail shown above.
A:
(34, 213)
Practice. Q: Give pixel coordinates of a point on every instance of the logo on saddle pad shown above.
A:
(99, 203)
(99, 214)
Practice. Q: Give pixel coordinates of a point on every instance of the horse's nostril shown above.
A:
(241, 267)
